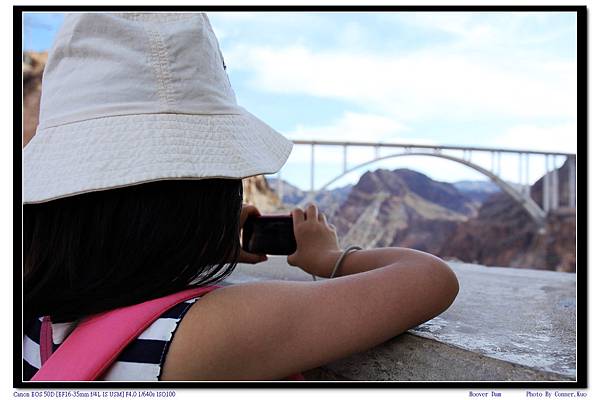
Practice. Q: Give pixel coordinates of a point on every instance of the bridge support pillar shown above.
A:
(527, 184)
(498, 163)
(312, 168)
(521, 185)
(572, 184)
(555, 186)
(546, 186)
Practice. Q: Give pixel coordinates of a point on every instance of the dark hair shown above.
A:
(98, 251)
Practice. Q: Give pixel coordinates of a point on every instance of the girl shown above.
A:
(132, 191)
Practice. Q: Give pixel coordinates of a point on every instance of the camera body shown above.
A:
(269, 234)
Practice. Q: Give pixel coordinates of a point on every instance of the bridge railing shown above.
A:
(550, 187)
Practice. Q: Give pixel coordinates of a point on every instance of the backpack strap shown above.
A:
(46, 342)
(97, 341)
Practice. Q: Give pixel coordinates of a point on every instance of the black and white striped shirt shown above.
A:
(141, 360)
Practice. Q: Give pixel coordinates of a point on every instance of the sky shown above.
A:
(495, 79)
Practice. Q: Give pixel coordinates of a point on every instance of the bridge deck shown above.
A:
(426, 146)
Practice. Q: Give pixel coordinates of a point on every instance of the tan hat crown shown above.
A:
(131, 63)
(137, 97)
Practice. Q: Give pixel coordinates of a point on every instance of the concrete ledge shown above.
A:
(505, 325)
(412, 358)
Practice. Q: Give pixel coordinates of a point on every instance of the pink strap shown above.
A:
(97, 341)
(46, 340)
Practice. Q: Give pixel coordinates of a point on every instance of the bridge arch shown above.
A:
(530, 206)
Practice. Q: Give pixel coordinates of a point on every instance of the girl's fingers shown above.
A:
(248, 209)
(297, 216)
(311, 212)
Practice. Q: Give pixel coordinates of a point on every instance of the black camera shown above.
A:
(269, 234)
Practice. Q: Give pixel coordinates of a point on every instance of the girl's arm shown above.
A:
(269, 330)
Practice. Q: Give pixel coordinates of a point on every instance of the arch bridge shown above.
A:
(520, 193)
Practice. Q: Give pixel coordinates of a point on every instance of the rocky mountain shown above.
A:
(563, 195)
(469, 221)
(328, 201)
(503, 234)
(33, 69)
(401, 208)
(290, 194)
(477, 191)
(258, 193)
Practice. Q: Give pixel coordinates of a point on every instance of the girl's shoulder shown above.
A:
(270, 330)
(142, 359)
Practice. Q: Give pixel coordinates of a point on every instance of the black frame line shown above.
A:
(581, 381)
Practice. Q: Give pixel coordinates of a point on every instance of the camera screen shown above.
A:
(270, 235)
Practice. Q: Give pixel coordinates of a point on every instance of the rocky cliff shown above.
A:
(503, 234)
(406, 208)
(33, 69)
(258, 192)
(401, 208)
(477, 191)
(328, 201)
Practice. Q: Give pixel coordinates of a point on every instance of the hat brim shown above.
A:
(117, 151)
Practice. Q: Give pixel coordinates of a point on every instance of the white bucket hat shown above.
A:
(138, 97)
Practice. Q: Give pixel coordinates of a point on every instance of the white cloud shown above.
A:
(516, 32)
(560, 138)
(234, 17)
(351, 126)
(463, 68)
(417, 85)
(456, 23)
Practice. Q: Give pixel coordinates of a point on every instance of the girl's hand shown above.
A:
(317, 246)
(245, 257)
